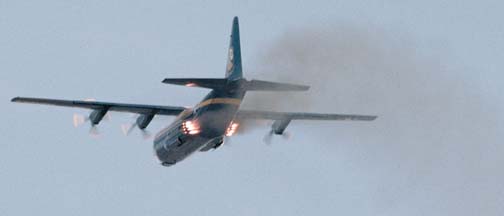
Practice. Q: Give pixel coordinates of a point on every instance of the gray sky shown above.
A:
(432, 71)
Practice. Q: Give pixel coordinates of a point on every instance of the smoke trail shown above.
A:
(430, 107)
(343, 65)
(337, 61)
(370, 71)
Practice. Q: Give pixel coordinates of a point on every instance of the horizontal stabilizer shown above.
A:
(252, 85)
(212, 83)
(259, 85)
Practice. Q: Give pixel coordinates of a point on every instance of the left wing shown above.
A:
(147, 112)
(282, 119)
(108, 106)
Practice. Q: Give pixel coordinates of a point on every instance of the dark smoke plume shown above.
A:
(418, 98)
(341, 63)
(434, 126)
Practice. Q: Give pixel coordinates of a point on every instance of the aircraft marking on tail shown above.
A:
(229, 66)
(234, 65)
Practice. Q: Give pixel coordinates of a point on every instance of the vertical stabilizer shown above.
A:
(234, 66)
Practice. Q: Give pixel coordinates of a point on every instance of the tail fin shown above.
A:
(234, 66)
(234, 76)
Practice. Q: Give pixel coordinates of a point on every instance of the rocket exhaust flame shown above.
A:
(232, 129)
(190, 127)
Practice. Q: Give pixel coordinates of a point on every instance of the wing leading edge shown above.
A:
(108, 106)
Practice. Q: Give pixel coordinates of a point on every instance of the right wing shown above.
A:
(253, 114)
(106, 106)
(282, 119)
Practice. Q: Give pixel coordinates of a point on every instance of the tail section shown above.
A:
(234, 65)
(234, 75)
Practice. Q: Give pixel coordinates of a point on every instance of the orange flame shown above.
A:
(232, 129)
(190, 127)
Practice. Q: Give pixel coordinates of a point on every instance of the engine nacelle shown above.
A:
(96, 116)
(279, 126)
(144, 120)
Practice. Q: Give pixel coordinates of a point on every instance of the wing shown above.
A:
(105, 106)
(252, 114)
(282, 119)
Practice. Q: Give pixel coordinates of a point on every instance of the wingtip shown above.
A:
(366, 118)
(301, 87)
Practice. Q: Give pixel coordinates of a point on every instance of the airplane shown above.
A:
(204, 126)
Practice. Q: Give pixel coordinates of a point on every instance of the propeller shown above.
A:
(128, 128)
(94, 132)
(268, 138)
(146, 135)
(277, 128)
(80, 119)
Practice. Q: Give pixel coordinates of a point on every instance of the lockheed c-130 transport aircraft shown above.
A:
(204, 126)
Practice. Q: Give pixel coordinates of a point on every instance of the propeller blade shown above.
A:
(286, 135)
(79, 120)
(268, 137)
(133, 126)
(125, 128)
(128, 128)
(94, 132)
(146, 134)
(107, 117)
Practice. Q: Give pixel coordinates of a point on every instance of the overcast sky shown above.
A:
(431, 70)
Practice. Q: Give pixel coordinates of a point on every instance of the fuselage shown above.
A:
(200, 128)
(204, 126)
